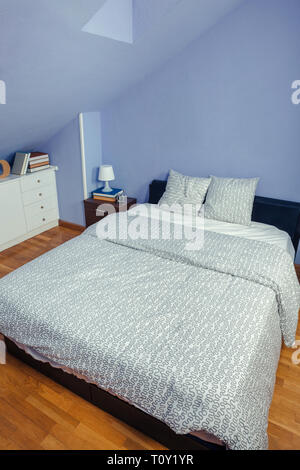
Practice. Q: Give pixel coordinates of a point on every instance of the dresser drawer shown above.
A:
(39, 194)
(41, 207)
(38, 179)
(35, 221)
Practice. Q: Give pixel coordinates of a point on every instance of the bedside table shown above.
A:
(91, 205)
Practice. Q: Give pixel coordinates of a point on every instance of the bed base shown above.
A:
(116, 407)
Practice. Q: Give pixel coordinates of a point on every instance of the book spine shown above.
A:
(36, 165)
(41, 155)
(107, 195)
(23, 165)
(32, 170)
(38, 160)
(26, 163)
(104, 199)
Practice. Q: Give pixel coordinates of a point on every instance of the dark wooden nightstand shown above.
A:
(92, 215)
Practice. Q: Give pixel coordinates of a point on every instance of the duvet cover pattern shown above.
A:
(192, 338)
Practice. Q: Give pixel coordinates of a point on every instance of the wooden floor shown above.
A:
(36, 413)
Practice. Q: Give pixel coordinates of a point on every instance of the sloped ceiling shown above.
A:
(53, 69)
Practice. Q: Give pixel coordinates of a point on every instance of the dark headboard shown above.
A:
(283, 214)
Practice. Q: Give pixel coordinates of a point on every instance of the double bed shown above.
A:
(183, 345)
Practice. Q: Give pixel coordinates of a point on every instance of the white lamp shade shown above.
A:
(106, 173)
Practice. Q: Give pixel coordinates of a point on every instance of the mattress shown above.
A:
(255, 231)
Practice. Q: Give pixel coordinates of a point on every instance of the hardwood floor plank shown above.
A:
(70, 440)
(53, 412)
(137, 436)
(8, 444)
(61, 398)
(37, 413)
(97, 441)
(21, 420)
(50, 443)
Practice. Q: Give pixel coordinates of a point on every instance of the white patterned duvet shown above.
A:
(192, 338)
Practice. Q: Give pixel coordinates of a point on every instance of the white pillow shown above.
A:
(182, 190)
(231, 200)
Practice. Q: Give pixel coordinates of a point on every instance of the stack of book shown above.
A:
(38, 161)
(30, 162)
(112, 196)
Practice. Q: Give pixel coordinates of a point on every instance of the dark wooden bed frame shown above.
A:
(284, 215)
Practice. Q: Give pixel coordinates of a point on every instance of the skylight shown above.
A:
(114, 20)
(128, 20)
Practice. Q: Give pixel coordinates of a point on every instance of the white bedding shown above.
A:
(255, 231)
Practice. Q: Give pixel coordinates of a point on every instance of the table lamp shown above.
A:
(106, 173)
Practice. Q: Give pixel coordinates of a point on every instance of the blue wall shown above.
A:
(64, 151)
(222, 106)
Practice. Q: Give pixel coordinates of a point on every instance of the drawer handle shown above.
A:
(42, 207)
(40, 194)
(44, 220)
(38, 181)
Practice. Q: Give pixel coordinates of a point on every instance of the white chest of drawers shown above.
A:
(28, 206)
